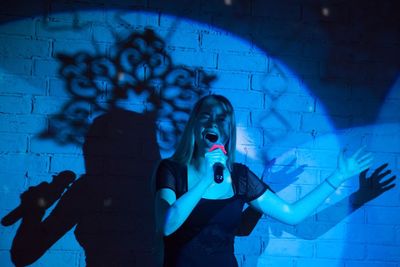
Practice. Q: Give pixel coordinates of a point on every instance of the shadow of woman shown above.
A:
(111, 205)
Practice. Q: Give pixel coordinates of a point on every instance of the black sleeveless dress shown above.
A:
(206, 238)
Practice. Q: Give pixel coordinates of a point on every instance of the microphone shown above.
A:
(218, 173)
(218, 167)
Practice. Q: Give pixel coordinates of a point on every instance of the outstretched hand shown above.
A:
(350, 166)
(355, 164)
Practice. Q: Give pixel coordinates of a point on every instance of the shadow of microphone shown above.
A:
(42, 195)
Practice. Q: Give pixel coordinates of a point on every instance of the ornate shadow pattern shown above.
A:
(111, 206)
(138, 66)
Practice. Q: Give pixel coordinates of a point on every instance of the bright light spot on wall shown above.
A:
(325, 11)
(228, 2)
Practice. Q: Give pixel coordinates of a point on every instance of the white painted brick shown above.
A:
(253, 137)
(16, 66)
(133, 19)
(366, 263)
(246, 63)
(230, 80)
(357, 216)
(322, 123)
(383, 215)
(334, 249)
(273, 120)
(269, 261)
(57, 88)
(248, 245)
(167, 21)
(24, 123)
(277, 82)
(13, 183)
(15, 143)
(242, 117)
(48, 105)
(60, 258)
(383, 253)
(17, 27)
(292, 102)
(225, 43)
(320, 159)
(47, 68)
(110, 34)
(51, 147)
(242, 98)
(15, 104)
(290, 248)
(322, 231)
(381, 234)
(71, 48)
(197, 59)
(23, 47)
(177, 39)
(75, 163)
(63, 30)
(23, 162)
(307, 262)
(19, 84)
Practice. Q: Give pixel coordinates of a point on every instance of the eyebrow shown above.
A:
(222, 115)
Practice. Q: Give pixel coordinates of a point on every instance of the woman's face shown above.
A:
(212, 125)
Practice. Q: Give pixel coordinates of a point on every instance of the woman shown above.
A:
(198, 215)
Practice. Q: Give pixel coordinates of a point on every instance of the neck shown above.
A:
(199, 163)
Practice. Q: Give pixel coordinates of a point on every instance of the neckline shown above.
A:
(218, 199)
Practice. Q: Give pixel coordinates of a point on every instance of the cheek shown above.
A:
(225, 129)
(197, 131)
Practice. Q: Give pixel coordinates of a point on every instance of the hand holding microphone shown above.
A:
(218, 167)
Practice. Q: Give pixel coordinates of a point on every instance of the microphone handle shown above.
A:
(12, 217)
(218, 173)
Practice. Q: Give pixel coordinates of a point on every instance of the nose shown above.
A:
(212, 121)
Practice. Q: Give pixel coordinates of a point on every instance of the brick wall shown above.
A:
(305, 80)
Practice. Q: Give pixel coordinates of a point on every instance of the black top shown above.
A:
(206, 237)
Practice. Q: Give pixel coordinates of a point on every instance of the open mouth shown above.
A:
(212, 137)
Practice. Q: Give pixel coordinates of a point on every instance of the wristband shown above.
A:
(327, 181)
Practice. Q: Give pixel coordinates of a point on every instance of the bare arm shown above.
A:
(271, 204)
(294, 213)
(171, 213)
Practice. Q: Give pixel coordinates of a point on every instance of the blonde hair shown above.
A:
(184, 151)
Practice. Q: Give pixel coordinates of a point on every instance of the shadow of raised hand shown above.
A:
(372, 187)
